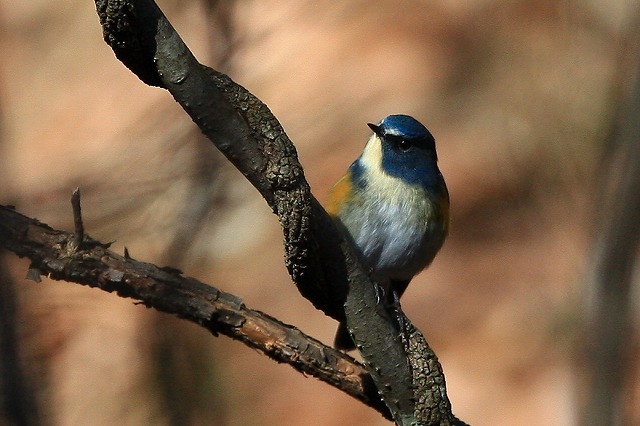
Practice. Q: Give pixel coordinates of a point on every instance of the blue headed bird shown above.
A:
(393, 205)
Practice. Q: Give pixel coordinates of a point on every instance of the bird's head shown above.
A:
(403, 148)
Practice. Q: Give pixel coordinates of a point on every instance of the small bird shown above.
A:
(393, 205)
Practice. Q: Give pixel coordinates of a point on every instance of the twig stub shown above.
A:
(78, 234)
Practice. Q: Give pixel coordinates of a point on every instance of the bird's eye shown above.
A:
(404, 145)
(398, 143)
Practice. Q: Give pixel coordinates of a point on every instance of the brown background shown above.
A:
(517, 93)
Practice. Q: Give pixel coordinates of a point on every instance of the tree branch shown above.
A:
(242, 128)
(54, 253)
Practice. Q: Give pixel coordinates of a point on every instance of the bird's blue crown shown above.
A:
(404, 126)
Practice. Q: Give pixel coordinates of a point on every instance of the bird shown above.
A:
(393, 207)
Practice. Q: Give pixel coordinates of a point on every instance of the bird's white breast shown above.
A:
(397, 227)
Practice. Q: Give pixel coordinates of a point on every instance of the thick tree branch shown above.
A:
(54, 253)
(243, 129)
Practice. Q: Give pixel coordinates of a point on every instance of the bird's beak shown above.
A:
(376, 129)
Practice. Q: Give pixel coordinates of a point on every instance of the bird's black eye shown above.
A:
(399, 143)
(404, 145)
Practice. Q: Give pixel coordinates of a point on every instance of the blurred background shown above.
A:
(520, 95)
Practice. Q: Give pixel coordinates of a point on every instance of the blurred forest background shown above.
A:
(520, 96)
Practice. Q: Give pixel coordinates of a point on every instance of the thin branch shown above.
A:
(166, 290)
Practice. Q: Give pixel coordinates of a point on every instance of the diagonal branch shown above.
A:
(53, 253)
(245, 131)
